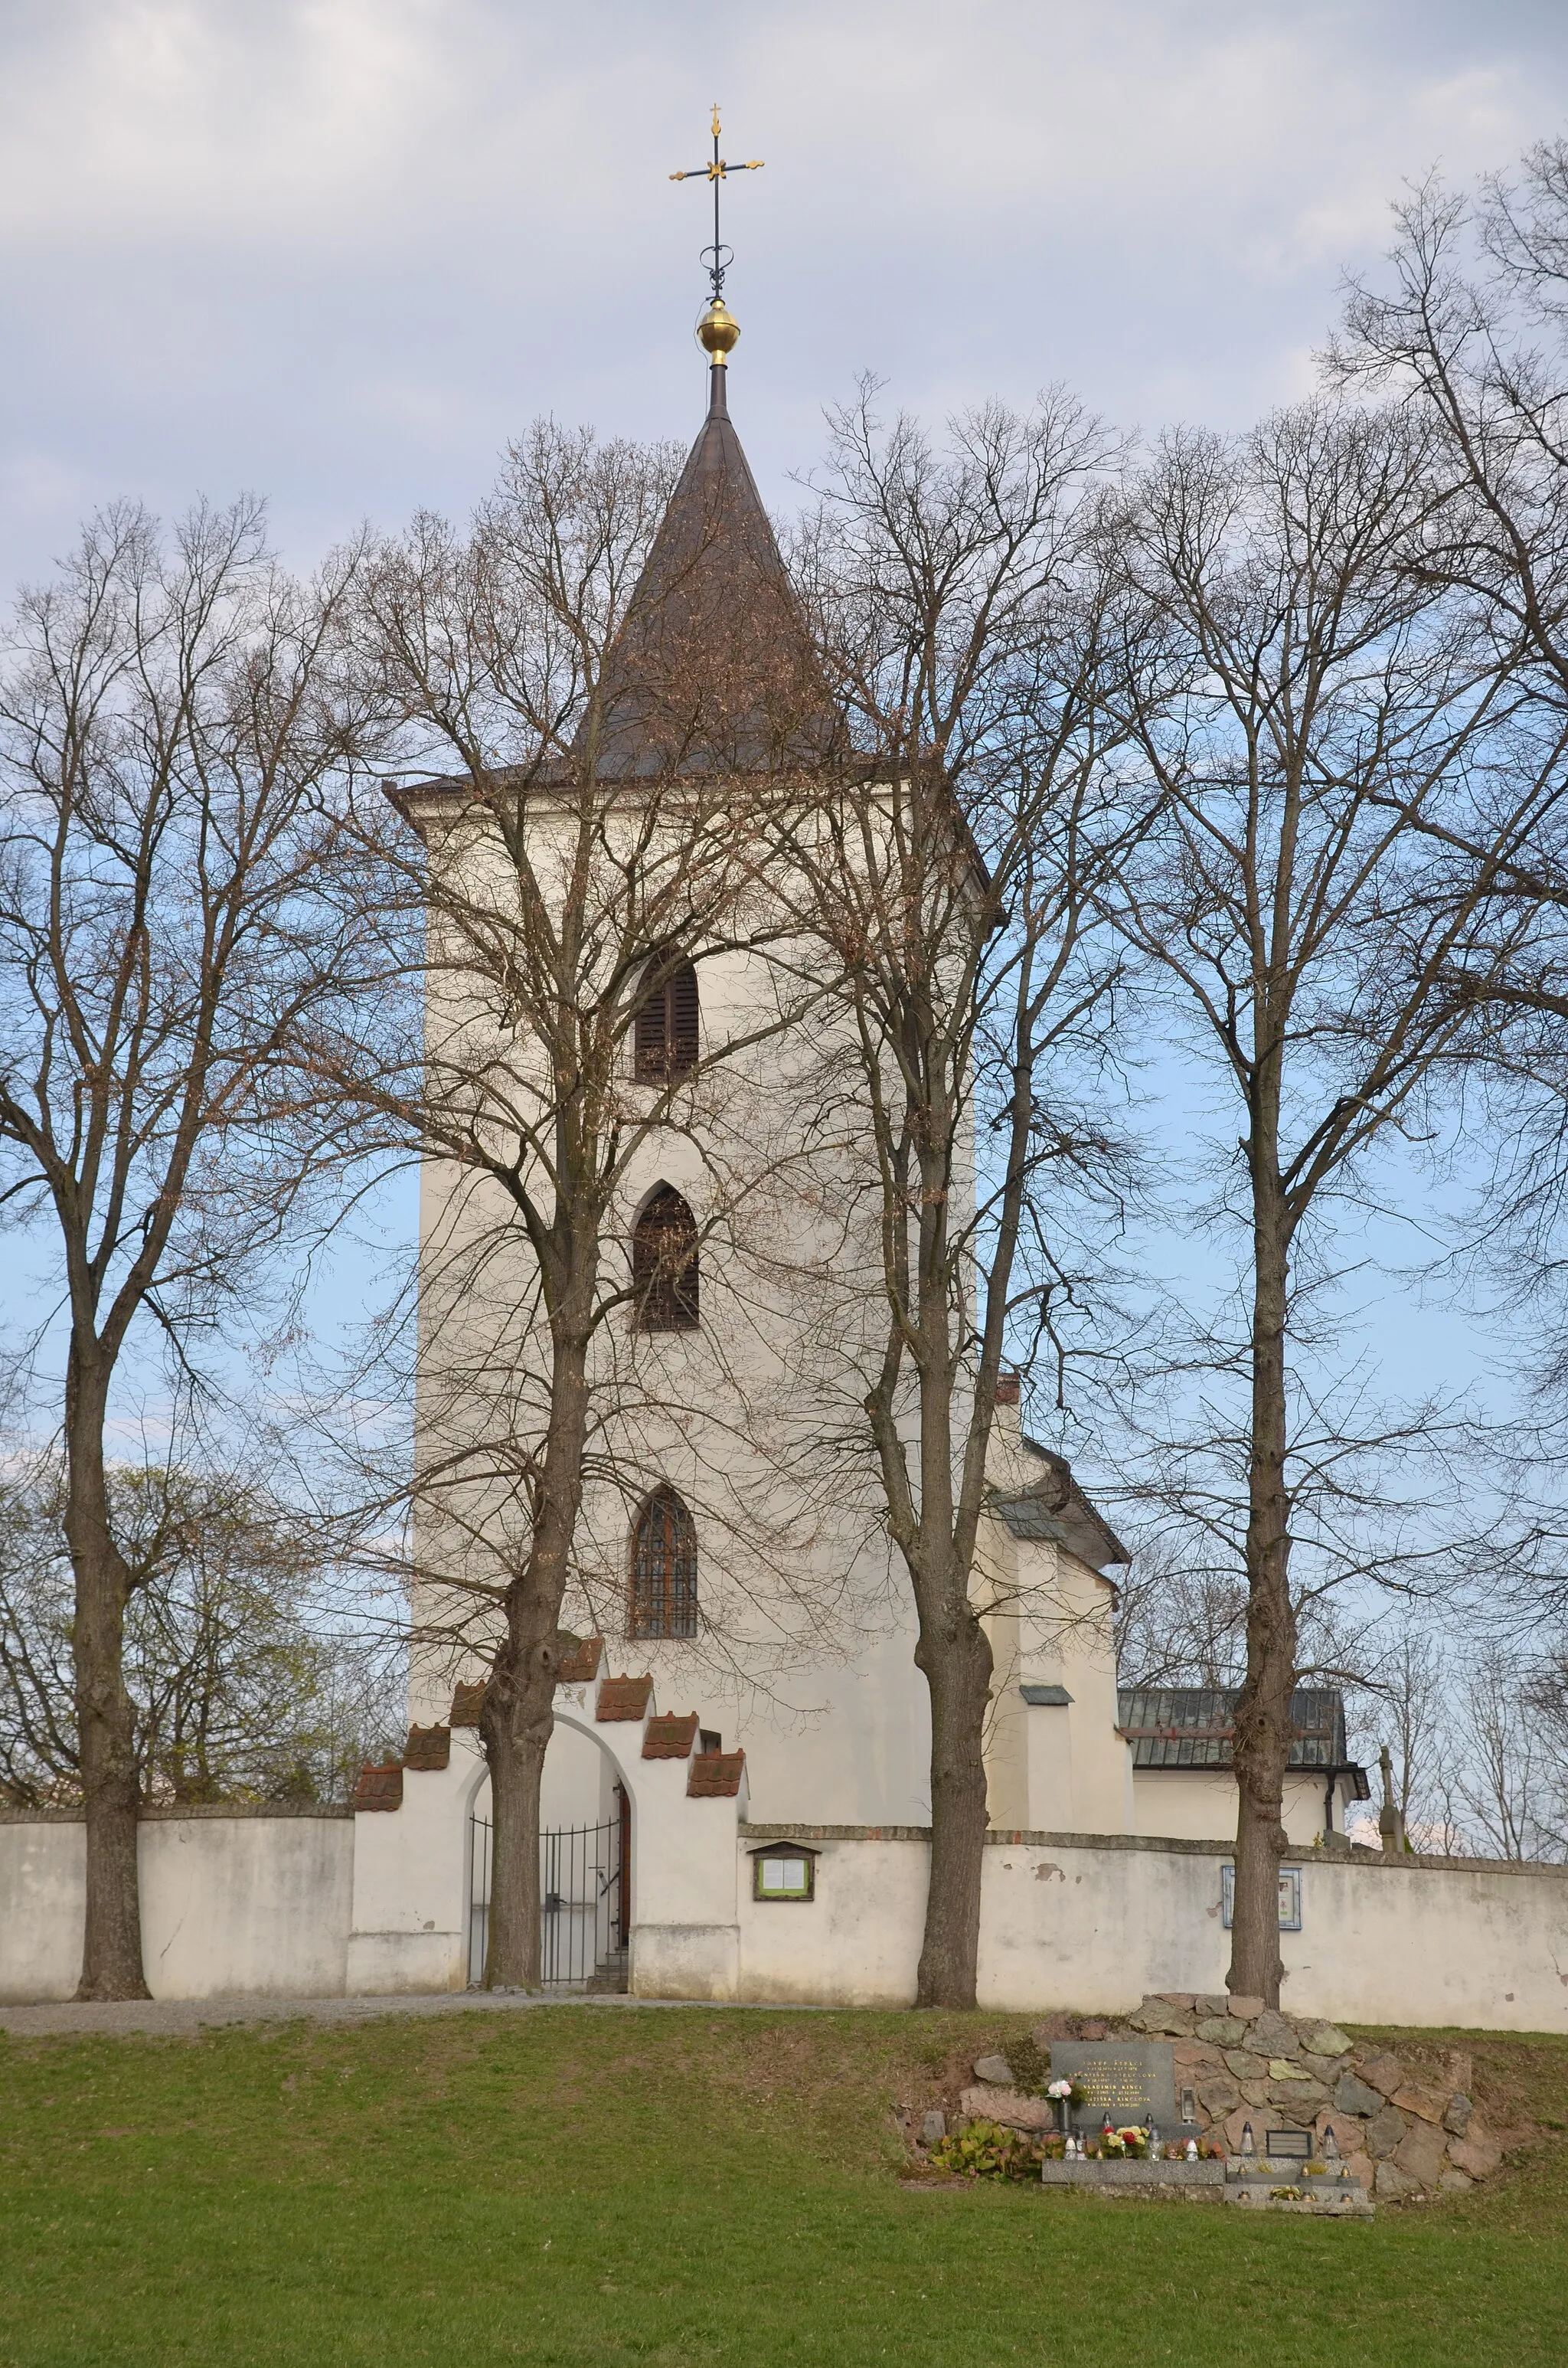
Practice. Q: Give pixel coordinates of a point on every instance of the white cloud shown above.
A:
(336, 249)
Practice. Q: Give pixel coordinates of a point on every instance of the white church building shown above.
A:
(788, 1715)
(737, 1794)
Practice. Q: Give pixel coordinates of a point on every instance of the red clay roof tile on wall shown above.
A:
(467, 1703)
(428, 1747)
(579, 1662)
(379, 1788)
(624, 1697)
(670, 1738)
(715, 1775)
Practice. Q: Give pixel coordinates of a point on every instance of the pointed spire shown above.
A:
(714, 669)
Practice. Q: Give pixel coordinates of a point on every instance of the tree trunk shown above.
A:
(516, 1725)
(520, 1706)
(106, 1722)
(955, 1655)
(1263, 1710)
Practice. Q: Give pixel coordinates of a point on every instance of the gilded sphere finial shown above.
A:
(717, 330)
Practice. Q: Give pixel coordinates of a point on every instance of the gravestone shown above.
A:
(1131, 2079)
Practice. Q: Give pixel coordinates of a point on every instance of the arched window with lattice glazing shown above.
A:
(664, 1264)
(663, 1568)
(666, 1027)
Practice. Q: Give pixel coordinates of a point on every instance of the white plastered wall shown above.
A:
(232, 1905)
(1199, 1804)
(413, 1874)
(1057, 1768)
(260, 1906)
(1070, 1922)
(805, 1658)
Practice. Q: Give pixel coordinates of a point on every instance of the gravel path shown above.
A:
(183, 2018)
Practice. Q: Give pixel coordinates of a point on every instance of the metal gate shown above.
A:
(582, 1902)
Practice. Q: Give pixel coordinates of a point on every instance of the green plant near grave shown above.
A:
(985, 2150)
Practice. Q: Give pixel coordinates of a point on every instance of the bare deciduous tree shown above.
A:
(948, 884)
(164, 741)
(1407, 1699)
(1181, 1621)
(1468, 329)
(1317, 693)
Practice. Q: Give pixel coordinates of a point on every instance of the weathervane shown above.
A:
(718, 329)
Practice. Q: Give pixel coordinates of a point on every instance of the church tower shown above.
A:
(731, 1578)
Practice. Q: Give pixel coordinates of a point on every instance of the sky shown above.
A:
(337, 251)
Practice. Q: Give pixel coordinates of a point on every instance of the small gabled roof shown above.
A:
(1056, 1510)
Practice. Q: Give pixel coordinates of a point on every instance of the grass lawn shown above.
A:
(600, 2185)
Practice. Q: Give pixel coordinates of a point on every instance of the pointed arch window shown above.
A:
(666, 1026)
(664, 1264)
(663, 1568)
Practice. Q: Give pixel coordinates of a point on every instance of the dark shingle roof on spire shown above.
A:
(714, 667)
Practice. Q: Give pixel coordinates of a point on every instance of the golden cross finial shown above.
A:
(717, 171)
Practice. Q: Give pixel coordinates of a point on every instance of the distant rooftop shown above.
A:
(1194, 1726)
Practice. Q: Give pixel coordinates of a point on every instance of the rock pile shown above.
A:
(1403, 2130)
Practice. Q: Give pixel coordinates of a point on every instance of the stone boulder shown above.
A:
(1270, 2034)
(1160, 2019)
(1353, 2096)
(1419, 2153)
(1384, 2132)
(1008, 2106)
(1195, 2055)
(1381, 2071)
(995, 2071)
(1422, 2105)
(1474, 2156)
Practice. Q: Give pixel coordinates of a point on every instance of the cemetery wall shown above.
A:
(1093, 1922)
(263, 1905)
(233, 1904)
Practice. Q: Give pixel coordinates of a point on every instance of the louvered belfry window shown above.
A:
(663, 1568)
(663, 1265)
(667, 1023)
